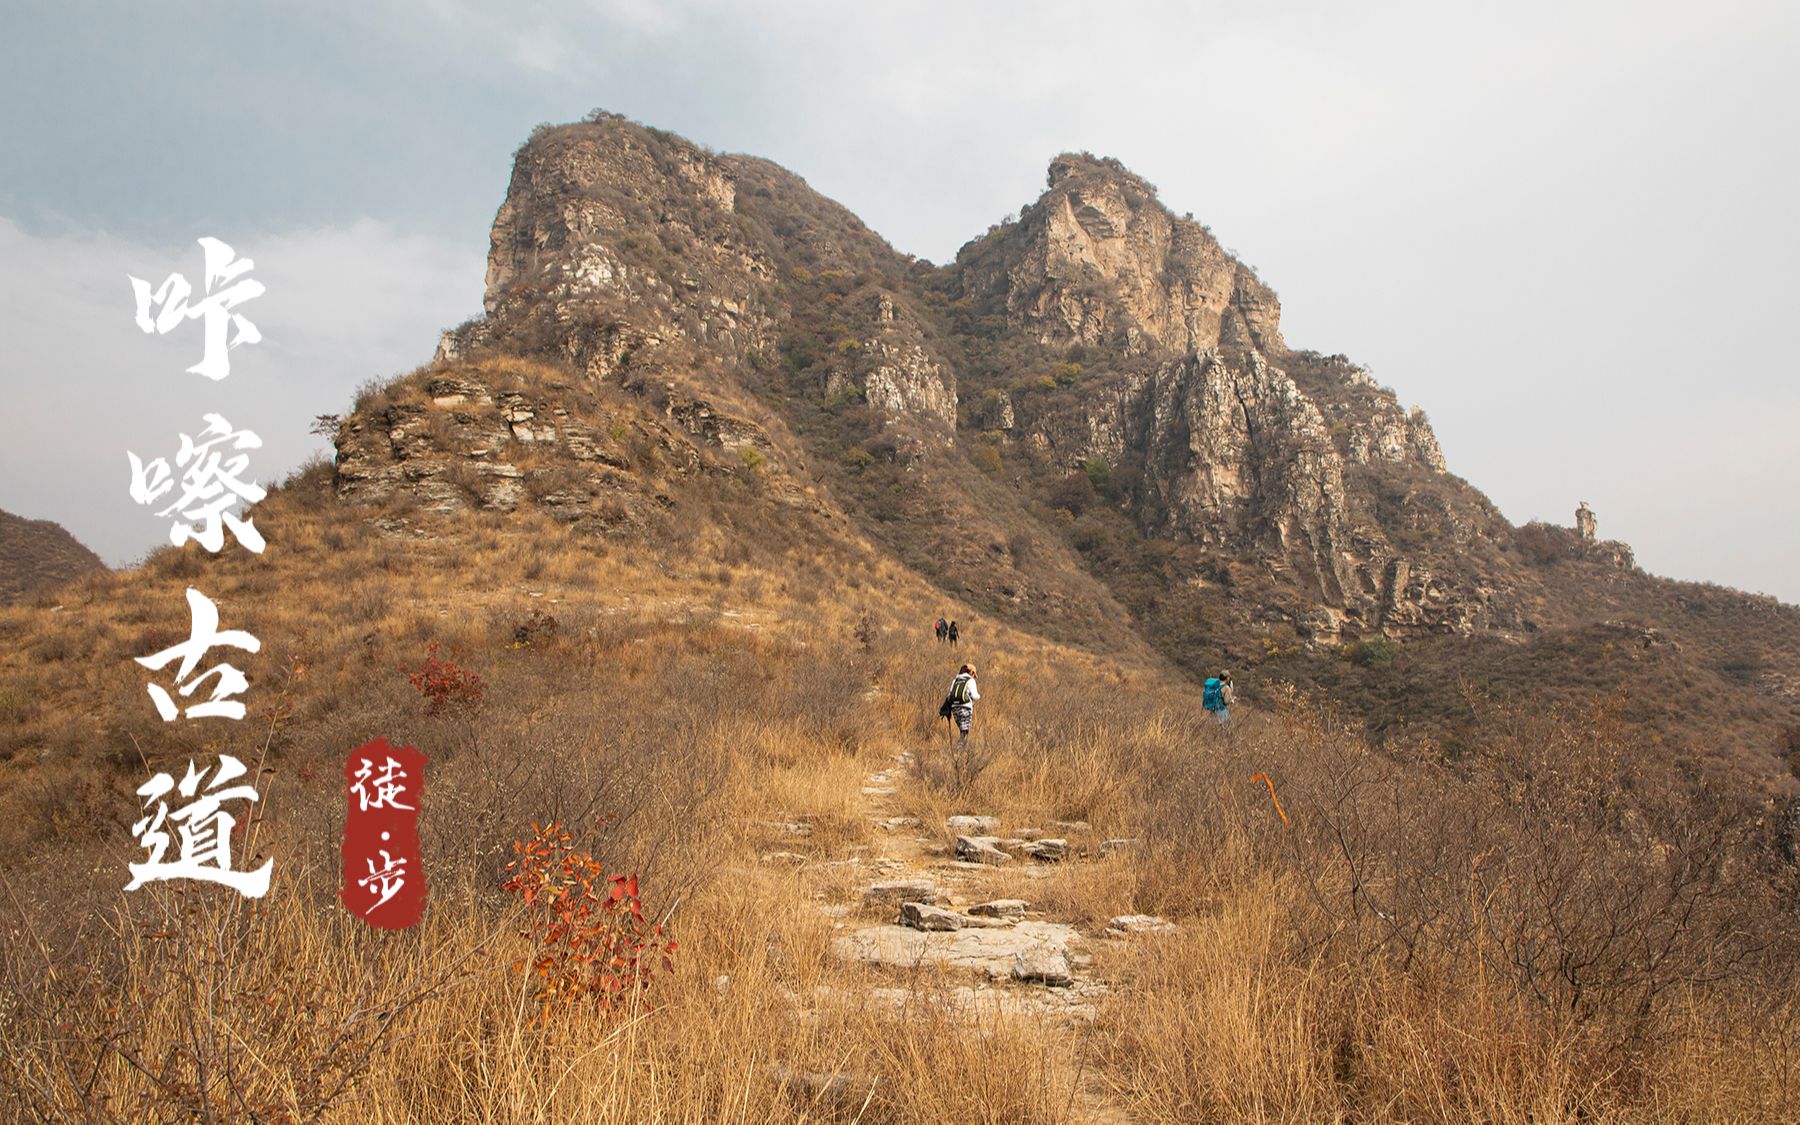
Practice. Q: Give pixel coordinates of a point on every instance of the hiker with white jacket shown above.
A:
(959, 705)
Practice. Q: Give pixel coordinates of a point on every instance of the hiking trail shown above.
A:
(944, 914)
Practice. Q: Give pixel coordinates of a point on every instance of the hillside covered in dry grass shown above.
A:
(681, 546)
(38, 553)
(1537, 933)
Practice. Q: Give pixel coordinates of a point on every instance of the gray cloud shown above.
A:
(1562, 228)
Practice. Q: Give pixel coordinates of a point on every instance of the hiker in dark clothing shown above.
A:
(940, 629)
(953, 633)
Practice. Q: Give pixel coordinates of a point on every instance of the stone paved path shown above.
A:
(928, 908)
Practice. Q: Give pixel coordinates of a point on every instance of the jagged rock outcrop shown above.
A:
(1586, 525)
(1397, 438)
(637, 255)
(1236, 456)
(651, 264)
(1098, 261)
(499, 435)
(611, 214)
(1239, 443)
(898, 374)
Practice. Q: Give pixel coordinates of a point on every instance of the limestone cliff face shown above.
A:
(593, 216)
(901, 376)
(1244, 445)
(638, 255)
(1098, 261)
(1237, 456)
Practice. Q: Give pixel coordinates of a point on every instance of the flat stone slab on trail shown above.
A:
(993, 952)
(973, 825)
(1001, 908)
(1043, 965)
(1139, 924)
(964, 869)
(1048, 851)
(1078, 1001)
(981, 849)
(893, 892)
(923, 916)
(794, 828)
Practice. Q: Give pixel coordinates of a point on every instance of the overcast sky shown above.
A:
(1567, 230)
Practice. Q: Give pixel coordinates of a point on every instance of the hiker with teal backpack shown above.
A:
(1217, 695)
(959, 705)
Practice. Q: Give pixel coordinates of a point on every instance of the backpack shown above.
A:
(958, 697)
(1213, 696)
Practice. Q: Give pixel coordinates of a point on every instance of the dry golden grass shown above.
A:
(687, 708)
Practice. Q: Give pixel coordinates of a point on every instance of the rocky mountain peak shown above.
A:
(643, 258)
(1085, 165)
(1236, 444)
(1098, 333)
(607, 214)
(1089, 416)
(1098, 260)
(646, 261)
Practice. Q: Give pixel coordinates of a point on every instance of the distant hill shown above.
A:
(37, 553)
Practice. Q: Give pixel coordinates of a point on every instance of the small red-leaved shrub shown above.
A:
(588, 927)
(444, 683)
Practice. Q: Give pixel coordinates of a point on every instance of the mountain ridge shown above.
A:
(1090, 423)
